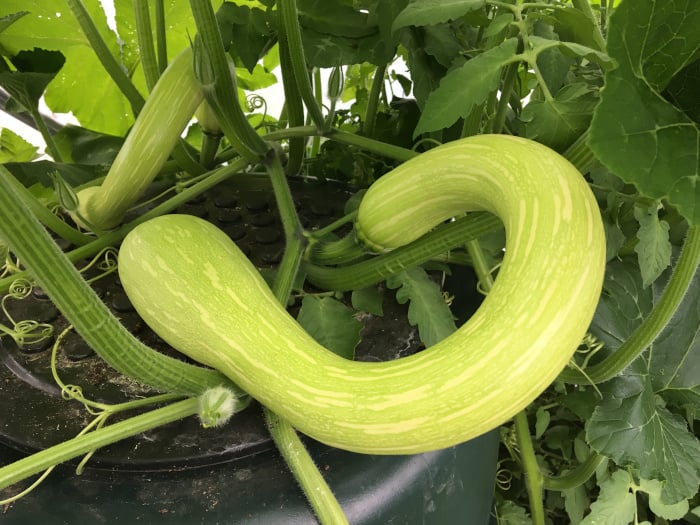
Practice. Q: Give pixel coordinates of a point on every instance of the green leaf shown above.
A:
(674, 511)
(634, 429)
(576, 503)
(7, 20)
(427, 309)
(654, 248)
(542, 419)
(331, 323)
(616, 504)
(246, 31)
(465, 87)
(511, 514)
(34, 70)
(368, 300)
(14, 148)
(558, 122)
(431, 12)
(639, 423)
(638, 134)
(97, 103)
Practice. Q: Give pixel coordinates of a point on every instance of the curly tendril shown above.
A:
(24, 332)
(105, 261)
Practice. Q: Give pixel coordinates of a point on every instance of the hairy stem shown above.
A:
(373, 100)
(83, 444)
(285, 437)
(378, 268)
(533, 474)
(289, 19)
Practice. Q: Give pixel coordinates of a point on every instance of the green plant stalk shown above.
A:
(99, 46)
(373, 100)
(509, 78)
(45, 134)
(388, 150)
(290, 21)
(378, 268)
(220, 85)
(285, 437)
(340, 251)
(318, 94)
(321, 498)
(147, 51)
(576, 477)
(294, 239)
(72, 448)
(82, 307)
(148, 145)
(294, 106)
(114, 237)
(51, 221)
(533, 474)
(653, 324)
(161, 41)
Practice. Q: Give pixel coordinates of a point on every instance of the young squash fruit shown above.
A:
(197, 290)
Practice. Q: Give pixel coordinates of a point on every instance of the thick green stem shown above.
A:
(533, 474)
(320, 496)
(294, 106)
(499, 119)
(373, 100)
(83, 444)
(220, 87)
(147, 51)
(46, 134)
(289, 19)
(161, 31)
(99, 46)
(653, 324)
(378, 268)
(576, 477)
(285, 437)
(46, 217)
(82, 307)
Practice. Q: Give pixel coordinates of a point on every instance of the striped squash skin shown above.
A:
(195, 288)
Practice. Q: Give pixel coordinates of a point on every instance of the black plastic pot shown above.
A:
(184, 474)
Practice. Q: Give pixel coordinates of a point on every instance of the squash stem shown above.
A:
(576, 477)
(373, 100)
(533, 474)
(289, 19)
(85, 443)
(376, 269)
(293, 105)
(655, 322)
(321, 498)
(219, 85)
(147, 52)
(300, 462)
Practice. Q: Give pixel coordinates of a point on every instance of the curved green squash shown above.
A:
(195, 288)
